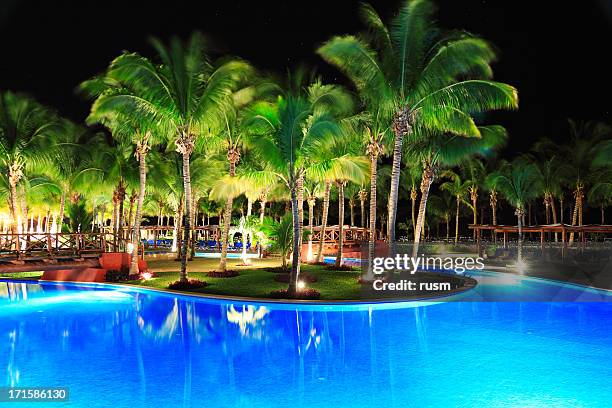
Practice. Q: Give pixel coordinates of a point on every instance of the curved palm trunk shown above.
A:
(142, 169)
(297, 243)
(340, 222)
(121, 199)
(457, 221)
(426, 180)
(133, 198)
(577, 209)
(319, 258)
(413, 197)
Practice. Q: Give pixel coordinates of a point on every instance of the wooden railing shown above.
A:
(332, 233)
(41, 245)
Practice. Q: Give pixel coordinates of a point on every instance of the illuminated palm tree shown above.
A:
(415, 76)
(184, 96)
(518, 183)
(437, 151)
(586, 143)
(289, 135)
(459, 189)
(26, 128)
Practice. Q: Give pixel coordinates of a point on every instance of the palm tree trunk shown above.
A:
(363, 216)
(183, 277)
(324, 220)
(426, 180)
(519, 215)
(413, 197)
(194, 233)
(262, 207)
(603, 214)
(457, 221)
(340, 185)
(474, 199)
(142, 170)
(352, 210)
(62, 209)
(447, 227)
(373, 151)
(133, 198)
(554, 213)
(227, 220)
(15, 221)
(575, 212)
(297, 242)
(402, 127)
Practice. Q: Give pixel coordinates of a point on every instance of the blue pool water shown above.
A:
(118, 347)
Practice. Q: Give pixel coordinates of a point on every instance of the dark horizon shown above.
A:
(553, 55)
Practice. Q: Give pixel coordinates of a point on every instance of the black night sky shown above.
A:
(556, 55)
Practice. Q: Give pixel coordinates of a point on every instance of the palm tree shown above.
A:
(459, 189)
(26, 127)
(437, 151)
(586, 142)
(442, 207)
(600, 194)
(282, 237)
(289, 135)
(518, 183)
(113, 107)
(184, 96)
(474, 172)
(413, 75)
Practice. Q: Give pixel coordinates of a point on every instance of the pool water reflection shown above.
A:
(119, 347)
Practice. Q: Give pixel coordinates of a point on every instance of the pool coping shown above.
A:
(472, 283)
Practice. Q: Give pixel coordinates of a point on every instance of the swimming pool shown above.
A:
(120, 347)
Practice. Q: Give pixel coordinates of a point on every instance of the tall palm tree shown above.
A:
(474, 172)
(290, 134)
(442, 207)
(184, 96)
(414, 75)
(113, 107)
(586, 142)
(600, 194)
(26, 127)
(518, 183)
(459, 189)
(437, 151)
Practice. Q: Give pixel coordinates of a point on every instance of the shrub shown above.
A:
(277, 269)
(114, 275)
(189, 285)
(345, 268)
(226, 274)
(305, 294)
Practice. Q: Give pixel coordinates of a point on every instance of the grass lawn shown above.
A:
(253, 281)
